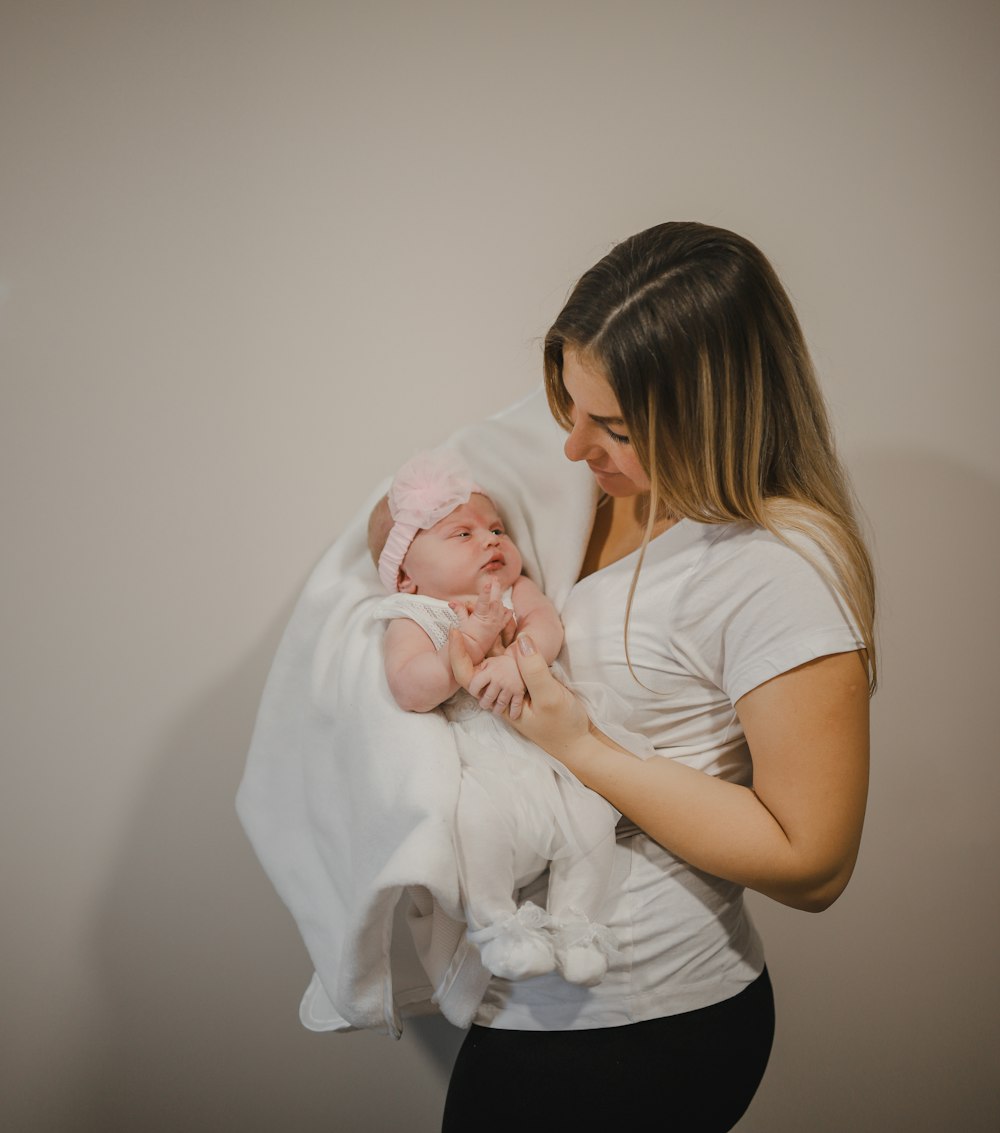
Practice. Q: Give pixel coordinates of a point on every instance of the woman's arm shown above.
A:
(794, 836)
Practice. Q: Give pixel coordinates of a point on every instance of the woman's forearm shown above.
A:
(795, 836)
(714, 825)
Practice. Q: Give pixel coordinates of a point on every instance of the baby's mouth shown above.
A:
(495, 563)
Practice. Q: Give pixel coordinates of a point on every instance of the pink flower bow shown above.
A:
(427, 488)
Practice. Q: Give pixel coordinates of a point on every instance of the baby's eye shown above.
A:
(497, 531)
(463, 534)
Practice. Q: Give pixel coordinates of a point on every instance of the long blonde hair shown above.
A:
(706, 357)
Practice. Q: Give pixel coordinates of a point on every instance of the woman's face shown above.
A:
(599, 435)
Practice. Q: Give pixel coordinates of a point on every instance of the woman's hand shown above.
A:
(551, 716)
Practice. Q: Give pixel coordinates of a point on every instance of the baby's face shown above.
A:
(469, 547)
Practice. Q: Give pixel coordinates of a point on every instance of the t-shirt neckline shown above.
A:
(669, 542)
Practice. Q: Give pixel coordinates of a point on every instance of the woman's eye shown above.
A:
(619, 438)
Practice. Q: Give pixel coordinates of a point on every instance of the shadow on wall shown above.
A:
(203, 969)
(888, 1008)
(886, 1018)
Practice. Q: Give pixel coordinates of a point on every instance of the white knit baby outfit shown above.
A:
(520, 811)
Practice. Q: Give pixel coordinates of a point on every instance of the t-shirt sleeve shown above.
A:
(755, 607)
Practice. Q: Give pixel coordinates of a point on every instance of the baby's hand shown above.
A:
(498, 686)
(482, 623)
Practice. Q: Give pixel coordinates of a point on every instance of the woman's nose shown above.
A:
(577, 447)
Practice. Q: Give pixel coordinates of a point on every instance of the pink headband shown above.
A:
(425, 490)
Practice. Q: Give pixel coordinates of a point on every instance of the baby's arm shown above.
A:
(419, 675)
(483, 621)
(537, 616)
(497, 683)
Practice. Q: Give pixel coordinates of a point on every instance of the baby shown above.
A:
(443, 553)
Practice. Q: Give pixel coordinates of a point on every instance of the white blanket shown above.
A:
(348, 800)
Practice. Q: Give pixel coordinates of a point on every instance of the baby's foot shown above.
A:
(582, 950)
(511, 958)
(518, 947)
(582, 964)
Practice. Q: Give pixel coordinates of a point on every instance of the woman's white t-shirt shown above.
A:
(718, 610)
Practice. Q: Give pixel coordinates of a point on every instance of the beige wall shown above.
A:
(251, 255)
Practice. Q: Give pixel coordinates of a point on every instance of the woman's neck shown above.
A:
(619, 528)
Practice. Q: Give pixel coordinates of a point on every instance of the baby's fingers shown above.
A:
(503, 701)
(489, 695)
(488, 602)
(477, 682)
(516, 704)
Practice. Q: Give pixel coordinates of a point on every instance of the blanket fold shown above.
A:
(347, 800)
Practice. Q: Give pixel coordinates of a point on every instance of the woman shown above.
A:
(726, 591)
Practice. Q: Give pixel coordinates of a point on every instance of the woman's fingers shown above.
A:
(551, 715)
(542, 686)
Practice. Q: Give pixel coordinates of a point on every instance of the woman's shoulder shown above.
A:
(740, 562)
(738, 545)
(758, 604)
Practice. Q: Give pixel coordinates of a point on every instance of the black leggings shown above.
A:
(690, 1073)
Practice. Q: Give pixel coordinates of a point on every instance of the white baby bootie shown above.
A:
(582, 949)
(518, 947)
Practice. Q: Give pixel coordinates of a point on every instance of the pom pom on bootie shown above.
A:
(582, 949)
(518, 947)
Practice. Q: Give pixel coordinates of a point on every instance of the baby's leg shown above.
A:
(578, 879)
(511, 940)
(578, 884)
(485, 848)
